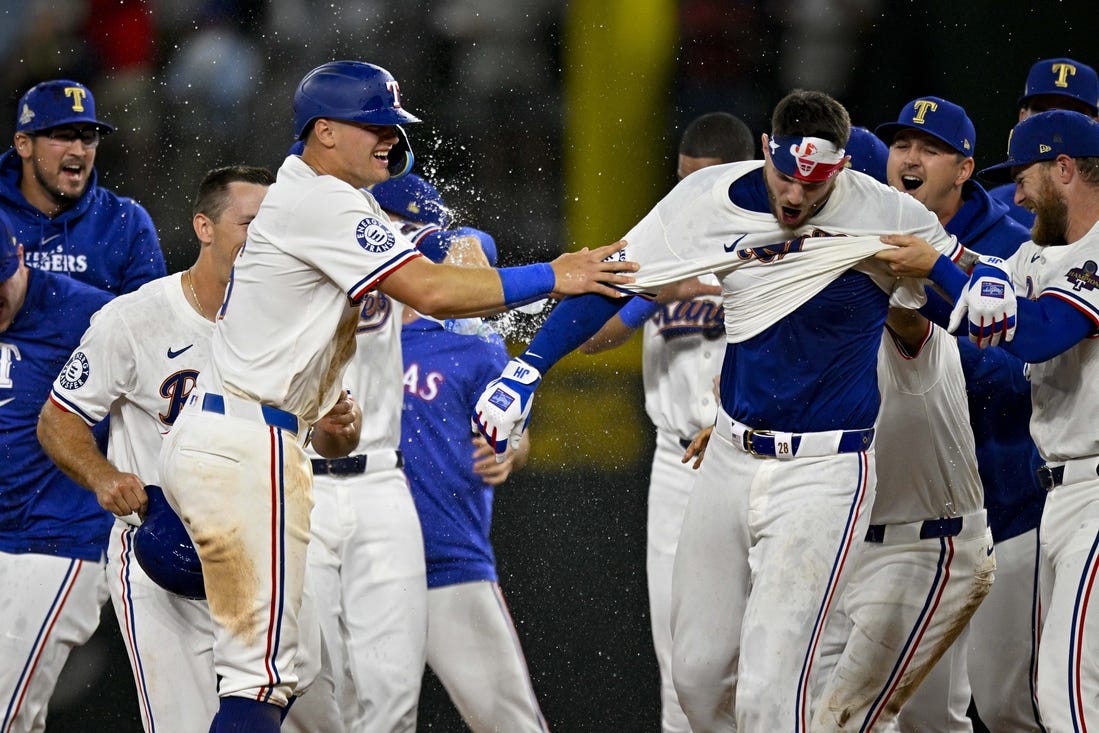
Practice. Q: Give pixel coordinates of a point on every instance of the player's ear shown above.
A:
(764, 139)
(204, 228)
(965, 171)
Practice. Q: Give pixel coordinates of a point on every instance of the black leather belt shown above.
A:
(930, 529)
(348, 466)
(1050, 477)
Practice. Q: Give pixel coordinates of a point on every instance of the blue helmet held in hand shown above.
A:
(164, 549)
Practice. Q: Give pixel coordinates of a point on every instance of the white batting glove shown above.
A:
(989, 301)
(503, 409)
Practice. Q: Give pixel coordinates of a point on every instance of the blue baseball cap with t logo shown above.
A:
(1063, 77)
(56, 103)
(1045, 136)
(936, 117)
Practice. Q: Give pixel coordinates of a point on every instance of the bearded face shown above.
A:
(1050, 212)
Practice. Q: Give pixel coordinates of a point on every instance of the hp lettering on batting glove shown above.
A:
(989, 301)
(503, 409)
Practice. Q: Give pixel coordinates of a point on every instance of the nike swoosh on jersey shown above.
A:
(174, 354)
(4, 402)
(1035, 258)
(732, 247)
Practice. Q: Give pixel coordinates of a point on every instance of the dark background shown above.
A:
(514, 142)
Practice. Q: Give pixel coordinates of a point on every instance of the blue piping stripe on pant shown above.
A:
(52, 614)
(127, 561)
(847, 540)
(919, 628)
(1077, 646)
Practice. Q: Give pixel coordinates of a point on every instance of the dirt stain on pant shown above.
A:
(231, 582)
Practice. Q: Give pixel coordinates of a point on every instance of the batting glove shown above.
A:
(989, 300)
(503, 409)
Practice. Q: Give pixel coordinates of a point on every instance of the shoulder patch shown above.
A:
(75, 372)
(374, 236)
(1083, 278)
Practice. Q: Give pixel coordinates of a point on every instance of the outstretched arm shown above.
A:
(448, 291)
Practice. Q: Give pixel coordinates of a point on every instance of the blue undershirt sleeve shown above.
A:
(637, 311)
(1045, 327)
(572, 322)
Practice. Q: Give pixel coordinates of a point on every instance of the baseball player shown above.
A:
(52, 533)
(789, 472)
(234, 466)
(928, 559)
(472, 645)
(1053, 160)
(931, 148)
(681, 356)
(67, 222)
(140, 360)
(1059, 83)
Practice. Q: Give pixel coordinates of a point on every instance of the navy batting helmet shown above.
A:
(164, 549)
(354, 91)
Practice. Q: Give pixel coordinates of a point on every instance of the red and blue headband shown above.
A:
(809, 159)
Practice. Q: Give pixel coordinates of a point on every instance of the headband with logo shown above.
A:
(810, 159)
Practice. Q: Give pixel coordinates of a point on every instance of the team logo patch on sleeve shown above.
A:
(374, 236)
(75, 372)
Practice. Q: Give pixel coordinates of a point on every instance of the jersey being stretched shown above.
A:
(806, 361)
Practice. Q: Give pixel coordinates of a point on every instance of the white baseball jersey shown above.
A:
(682, 351)
(1065, 389)
(142, 355)
(697, 229)
(927, 464)
(287, 327)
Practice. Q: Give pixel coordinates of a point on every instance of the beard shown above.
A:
(59, 197)
(1050, 217)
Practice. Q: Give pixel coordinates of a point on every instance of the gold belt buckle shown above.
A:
(748, 434)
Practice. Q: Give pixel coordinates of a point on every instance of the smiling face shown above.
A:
(362, 150)
(57, 165)
(1035, 192)
(929, 170)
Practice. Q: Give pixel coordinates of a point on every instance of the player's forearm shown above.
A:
(448, 291)
(621, 327)
(571, 323)
(69, 443)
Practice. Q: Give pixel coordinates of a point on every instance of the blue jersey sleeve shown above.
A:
(572, 322)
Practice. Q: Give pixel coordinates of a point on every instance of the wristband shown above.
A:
(527, 283)
(637, 311)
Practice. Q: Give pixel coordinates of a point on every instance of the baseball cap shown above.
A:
(1044, 136)
(937, 117)
(55, 103)
(412, 198)
(868, 153)
(9, 251)
(1065, 77)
